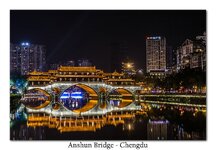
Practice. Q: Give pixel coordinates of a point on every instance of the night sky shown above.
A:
(89, 34)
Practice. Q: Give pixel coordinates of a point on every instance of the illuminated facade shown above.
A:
(26, 57)
(71, 91)
(191, 54)
(202, 38)
(77, 74)
(184, 54)
(156, 55)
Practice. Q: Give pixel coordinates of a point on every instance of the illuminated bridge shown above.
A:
(87, 91)
(79, 91)
(79, 99)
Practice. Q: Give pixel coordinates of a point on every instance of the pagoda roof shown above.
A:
(115, 73)
(109, 80)
(38, 73)
(71, 68)
(52, 71)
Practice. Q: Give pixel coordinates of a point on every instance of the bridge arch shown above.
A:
(36, 98)
(79, 98)
(120, 97)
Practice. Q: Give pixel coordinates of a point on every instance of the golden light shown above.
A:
(128, 65)
(129, 127)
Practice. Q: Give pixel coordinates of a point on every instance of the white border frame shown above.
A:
(6, 5)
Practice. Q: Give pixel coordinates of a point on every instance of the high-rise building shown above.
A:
(178, 58)
(202, 38)
(84, 63)
(156, 55)
(170, 57)
(191, 54)
(170, 60)
(15, 58)
(26, 57)
(184, 53)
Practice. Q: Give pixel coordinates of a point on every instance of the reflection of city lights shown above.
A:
(129, 127)
(81, 123)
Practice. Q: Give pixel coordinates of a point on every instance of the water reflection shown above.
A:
(23, 132)
(157, 130)
(113, 126)
(81, 123)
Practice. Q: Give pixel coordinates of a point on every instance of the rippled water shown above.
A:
(138, 128)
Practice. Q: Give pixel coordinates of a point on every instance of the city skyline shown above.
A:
(87, 34)
(83, 70)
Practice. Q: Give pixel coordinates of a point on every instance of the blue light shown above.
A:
(77, 95)
(65, 95)
(154, 38)
(25, 44)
